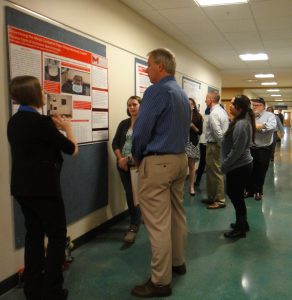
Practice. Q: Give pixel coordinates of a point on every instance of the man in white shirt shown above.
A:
(266, 124)
(217, 125)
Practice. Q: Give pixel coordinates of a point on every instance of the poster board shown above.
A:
(84, 180)
(142, 81)
(193, 90)
(74, 79)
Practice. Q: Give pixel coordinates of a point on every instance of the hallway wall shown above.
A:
(126, 35)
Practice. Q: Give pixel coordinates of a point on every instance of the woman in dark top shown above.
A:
(192, 148)
(122, 146)
(237, 160)
(36, 146)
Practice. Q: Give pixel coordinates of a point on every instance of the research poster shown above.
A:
(142, 79)
(74, 80)
(193, 90)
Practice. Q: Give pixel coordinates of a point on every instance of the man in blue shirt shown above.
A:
(160, 134)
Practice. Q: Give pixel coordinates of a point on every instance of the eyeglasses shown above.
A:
(257, 104)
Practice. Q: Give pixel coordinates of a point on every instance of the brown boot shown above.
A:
(149, 290)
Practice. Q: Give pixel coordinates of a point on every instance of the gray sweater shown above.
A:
(235, 147)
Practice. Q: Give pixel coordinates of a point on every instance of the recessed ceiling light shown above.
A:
(264, 75)
(273, 90)
(269, 83)
(276, 95)
(251, 80)
(252, 57)
(219, 2)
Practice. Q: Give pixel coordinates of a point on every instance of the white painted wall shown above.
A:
(126, 35)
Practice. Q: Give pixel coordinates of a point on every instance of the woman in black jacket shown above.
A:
(122, 146)
(192, 148)
(36, 146)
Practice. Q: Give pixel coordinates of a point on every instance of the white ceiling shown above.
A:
(219, 34)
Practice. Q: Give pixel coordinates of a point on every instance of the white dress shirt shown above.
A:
(217, 124)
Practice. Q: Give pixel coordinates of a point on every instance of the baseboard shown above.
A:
(12, 281)
(8, 283)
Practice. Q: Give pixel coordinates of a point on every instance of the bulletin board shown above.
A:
(56, 55)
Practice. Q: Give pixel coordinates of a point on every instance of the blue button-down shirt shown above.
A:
(163, 121)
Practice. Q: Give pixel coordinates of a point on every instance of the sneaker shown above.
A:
(130, 235)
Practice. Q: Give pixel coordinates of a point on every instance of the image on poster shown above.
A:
(142, 81)
(74, 80)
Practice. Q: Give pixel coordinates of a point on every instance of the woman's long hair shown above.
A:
(195, 113)
(243, 102)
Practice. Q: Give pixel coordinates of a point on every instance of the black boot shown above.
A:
(240, 228)
(235, 225)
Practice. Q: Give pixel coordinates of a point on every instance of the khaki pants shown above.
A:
(215, 178)
(160, 188)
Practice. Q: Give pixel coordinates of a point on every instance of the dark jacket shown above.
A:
(120, 135)
(36, 147)
(194, 136)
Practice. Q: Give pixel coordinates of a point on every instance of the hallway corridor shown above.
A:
(258, 267)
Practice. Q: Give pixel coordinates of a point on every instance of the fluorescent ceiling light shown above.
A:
(273, 90)
(252, 57)
(264, 75)
(269, 83)
(219, 2)
(251, 80)
(279, 100)
(276, 95)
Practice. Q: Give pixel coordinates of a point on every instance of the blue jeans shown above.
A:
(134, 211)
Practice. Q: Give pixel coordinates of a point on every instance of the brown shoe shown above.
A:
(216, 205)
(149, 290)
(131, 234)
(180, 270)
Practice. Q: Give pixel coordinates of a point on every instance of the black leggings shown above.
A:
(235, 183)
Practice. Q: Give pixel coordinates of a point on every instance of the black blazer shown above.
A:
(36, 146)
(194, 136)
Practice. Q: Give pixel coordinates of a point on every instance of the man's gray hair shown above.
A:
(215, 96)
(166, 57)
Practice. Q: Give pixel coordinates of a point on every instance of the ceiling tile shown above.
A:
(272, 9)
(137, 4)
(274, 23)
(228, 12)
(241, 25)
(184, 15)
(163, 4)
(247, 37)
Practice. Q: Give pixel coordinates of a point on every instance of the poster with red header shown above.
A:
(74, 80)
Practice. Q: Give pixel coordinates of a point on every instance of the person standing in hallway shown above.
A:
(36, 146)
(281, 116)
(122, 147)
(203, 146)
(278, 133)
(192, 149)
(237, 160)
(160, 135)
(262, 148)
(216, 127)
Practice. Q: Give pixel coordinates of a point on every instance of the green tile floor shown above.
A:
(257, 267)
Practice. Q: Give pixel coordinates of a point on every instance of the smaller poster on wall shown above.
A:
(193, 90)
(142, 80)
